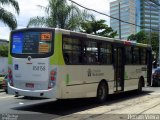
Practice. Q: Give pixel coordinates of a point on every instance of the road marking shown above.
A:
(21, 103)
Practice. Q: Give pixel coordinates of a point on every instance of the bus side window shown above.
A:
(90, 55)
(72, 50)
(143, 56)
(76, 57)
(66, 57)
(136, 56)
(92, 59)
(84, 58)
(128, 55)
(106, 53)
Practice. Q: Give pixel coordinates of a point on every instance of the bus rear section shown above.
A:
(29, 71)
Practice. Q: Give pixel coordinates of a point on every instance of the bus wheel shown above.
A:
(102, 92)
(140, 85)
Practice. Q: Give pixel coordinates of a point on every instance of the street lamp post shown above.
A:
(150, 27)
(119, 20)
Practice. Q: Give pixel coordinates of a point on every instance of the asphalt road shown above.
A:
(46, 109)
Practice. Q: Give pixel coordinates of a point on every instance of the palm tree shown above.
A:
(98, 27)
(60, 14)
(7, 17)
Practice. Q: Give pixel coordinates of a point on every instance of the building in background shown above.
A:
(127, 13)
(149, 15)
(140, 12)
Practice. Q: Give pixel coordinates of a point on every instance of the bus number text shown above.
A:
(39, 68)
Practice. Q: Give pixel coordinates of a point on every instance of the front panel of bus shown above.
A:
(29, 70)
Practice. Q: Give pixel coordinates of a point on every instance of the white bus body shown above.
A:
(50, 76)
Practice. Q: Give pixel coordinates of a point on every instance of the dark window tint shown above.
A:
(105, 53)
(143, 56)
(72, 50)
(136, 55)
(77, 50)
(128, 55)
(90, 55)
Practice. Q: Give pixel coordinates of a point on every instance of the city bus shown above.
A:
(63, 64)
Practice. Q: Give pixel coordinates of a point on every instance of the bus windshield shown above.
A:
(32, 43)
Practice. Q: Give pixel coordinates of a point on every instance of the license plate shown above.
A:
(30, 85)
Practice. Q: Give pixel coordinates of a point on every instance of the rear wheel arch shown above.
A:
(102, 91)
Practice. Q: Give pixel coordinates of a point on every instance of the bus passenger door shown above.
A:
(118, 69)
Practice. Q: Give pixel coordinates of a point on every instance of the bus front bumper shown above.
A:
(32, 93)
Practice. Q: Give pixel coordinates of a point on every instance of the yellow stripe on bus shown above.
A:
(57, 58)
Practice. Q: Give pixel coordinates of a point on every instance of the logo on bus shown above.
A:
(29, 58)
(89, 73)
(94, 73)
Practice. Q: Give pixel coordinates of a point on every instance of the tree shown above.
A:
(3, 51)
(7, 17)
(60, 14)
(142, 37)
(155, 42)
(97, 28)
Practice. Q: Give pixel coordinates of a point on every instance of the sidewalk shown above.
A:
(1, 90)
(144, 108)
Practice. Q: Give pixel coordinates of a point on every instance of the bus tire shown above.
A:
(102, 92)
(140, 85)
(153, 84)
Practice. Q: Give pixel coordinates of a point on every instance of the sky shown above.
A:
(29, 8)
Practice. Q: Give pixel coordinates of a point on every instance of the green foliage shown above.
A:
(60, 14)
(143, 37)
(97, 28)
(140, 37)
(7, 17)
(155, 42)
(3, 51)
